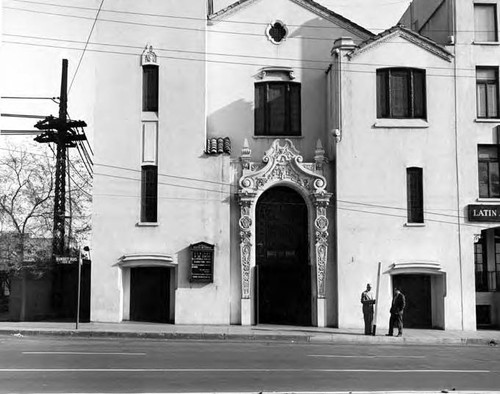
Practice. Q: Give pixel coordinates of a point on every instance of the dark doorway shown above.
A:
(283, 271)
(149, 294)
(417, 291)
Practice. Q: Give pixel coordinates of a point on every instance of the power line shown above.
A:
(223, 21)
(84, 150)
(23, 116)
(86, 44)
(163, 183)
(162, 26)
(163, 49)
(85, 164)
(325, 62)
(229, 62)
(232, 185)
(29, 98)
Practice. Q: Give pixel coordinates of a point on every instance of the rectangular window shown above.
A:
(487, 92)
(277, 109)
(150, 88)
(149, 194)
(485, 23)
(401, 93)
(415, 195)
(489, 171)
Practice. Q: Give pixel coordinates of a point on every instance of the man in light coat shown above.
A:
(368, 301)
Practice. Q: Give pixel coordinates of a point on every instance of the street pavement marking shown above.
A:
(89, 353)
(191, 370)
(343, 356)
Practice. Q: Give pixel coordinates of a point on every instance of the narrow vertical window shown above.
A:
(485, 23)
(415, 195)
(149, 194)
(150, 88)
(489, 171)
(487, 92)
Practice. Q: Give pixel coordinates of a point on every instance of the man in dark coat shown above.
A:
(397, 308)
(367, 300)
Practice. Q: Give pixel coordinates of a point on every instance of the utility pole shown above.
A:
(60, 131)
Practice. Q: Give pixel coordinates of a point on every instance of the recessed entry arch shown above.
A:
(282, 168)
(283, 293)
(424, 285)
(148, 287)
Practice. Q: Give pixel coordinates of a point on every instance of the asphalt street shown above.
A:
(88, 365)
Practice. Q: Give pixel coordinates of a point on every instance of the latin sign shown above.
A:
(202, 262)
(484, 213)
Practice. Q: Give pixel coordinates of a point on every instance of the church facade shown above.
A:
(268, 158)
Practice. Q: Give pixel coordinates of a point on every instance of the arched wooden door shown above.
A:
(282, 259)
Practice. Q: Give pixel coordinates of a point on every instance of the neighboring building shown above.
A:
(471, 29)
(22, 296)
(247, 172)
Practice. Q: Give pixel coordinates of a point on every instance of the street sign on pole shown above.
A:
(78, 286)
(375, 314)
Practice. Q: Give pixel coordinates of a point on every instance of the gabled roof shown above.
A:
(407, 34)
(310, 5)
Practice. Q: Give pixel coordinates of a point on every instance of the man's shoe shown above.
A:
(388, 335)
(400, 335)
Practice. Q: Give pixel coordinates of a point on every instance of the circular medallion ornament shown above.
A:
(245, 222)
(321, 223)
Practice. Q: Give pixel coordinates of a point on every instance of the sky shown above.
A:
(374, 15)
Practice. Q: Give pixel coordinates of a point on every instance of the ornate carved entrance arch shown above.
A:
(282, 164)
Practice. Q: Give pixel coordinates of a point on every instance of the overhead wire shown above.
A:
(29, 98)
(342, 208)
(226, 21)
(86, 44)
(242, 63)
(203, 53)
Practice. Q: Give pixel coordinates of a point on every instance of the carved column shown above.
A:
(246, 224)
(321, 201)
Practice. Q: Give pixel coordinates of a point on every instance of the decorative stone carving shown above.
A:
(149, 56)
(321, 202)
(246, 155)
(245, 224)
(282, 162)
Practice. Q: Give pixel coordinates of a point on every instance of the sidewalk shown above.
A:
(248, 333)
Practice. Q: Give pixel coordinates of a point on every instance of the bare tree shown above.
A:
(26, 208)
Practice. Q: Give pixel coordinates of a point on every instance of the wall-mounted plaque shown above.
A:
(202, 262)
(484, 213)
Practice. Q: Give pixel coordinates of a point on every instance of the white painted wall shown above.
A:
(193, 193)
(236, 52)
(371, 183)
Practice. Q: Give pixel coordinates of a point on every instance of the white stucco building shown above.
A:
(255, 167)
(470, 31)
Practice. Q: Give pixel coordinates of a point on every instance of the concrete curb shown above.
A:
(330, 338)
